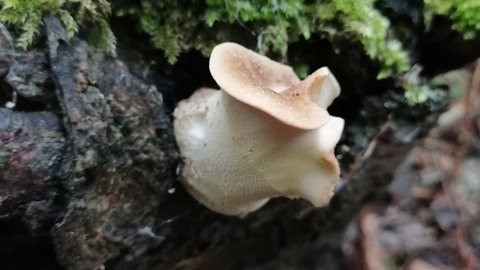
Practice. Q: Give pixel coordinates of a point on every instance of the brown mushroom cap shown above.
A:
(273, 87)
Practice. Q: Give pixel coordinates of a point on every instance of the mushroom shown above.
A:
(265, 134)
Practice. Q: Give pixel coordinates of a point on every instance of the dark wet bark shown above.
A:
(92, 174)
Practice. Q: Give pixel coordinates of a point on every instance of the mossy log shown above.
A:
(89, 166)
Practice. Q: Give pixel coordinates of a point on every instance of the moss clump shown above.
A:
(181, 25)
(463, 13)
(277, 23)
(177, 26)
(26, 16)
(361, 21)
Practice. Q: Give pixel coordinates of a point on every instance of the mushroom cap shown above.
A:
(273, 87)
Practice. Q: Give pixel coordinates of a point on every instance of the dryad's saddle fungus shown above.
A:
(265, 134)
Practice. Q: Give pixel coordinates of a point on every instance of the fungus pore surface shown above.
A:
(264, 134)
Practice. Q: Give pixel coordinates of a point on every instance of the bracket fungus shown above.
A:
(265, 134)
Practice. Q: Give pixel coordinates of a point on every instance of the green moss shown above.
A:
(26, 17)
(463, 13)
(359, 20)
(274, 22)
(417, 94)
(181, 25)
(418, 91)
(177, 26)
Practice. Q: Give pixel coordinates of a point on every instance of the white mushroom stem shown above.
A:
(239, 157)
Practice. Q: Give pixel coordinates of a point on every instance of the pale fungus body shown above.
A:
(264, 134)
